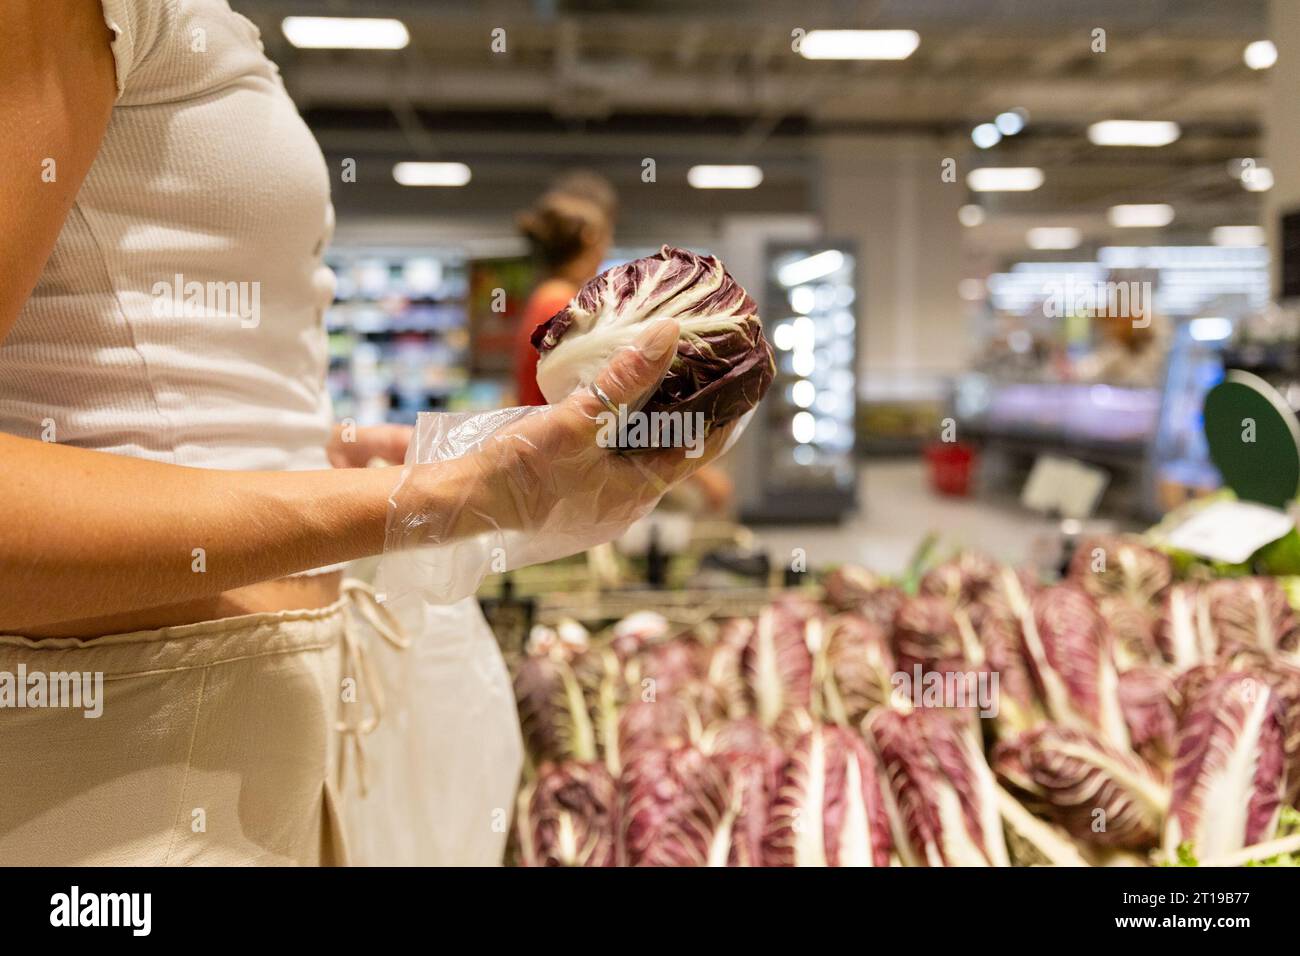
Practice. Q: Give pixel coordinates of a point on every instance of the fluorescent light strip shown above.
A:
(345, 33)
(1053, 237)
(1189, 276)
(859, 44)
(1004, 179)
(1133, 133)
(724, 177)
(1141, 215)
(1203, 259)
(1238, 236)
(813, 267)
(1210, 328)
(431, 174)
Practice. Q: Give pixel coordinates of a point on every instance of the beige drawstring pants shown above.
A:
(216, 743)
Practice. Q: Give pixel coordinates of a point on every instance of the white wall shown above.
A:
(886, 194)
(1282, 123)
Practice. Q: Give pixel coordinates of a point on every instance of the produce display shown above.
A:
(976, 717)
(723, 364)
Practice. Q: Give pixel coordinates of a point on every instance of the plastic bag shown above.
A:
(450, 571)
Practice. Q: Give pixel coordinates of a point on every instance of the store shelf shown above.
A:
(399, 335)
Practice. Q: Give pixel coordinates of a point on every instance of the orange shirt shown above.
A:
(547, 299)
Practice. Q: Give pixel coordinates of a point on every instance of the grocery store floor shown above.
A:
(897, 510)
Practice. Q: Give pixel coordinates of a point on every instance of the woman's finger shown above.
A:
(636, 371)
(391, 443)
(667, 466)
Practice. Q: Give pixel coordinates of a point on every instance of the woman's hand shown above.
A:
(352, 447)
(716, 487)
(552, 476)
(560, 468)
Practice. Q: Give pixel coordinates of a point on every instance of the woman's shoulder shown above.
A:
(550, 296)
(173, 50)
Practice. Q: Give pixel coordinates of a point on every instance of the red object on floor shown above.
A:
(951, 465)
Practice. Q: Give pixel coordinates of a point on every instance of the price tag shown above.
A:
(1230, 530)
(1063, 486)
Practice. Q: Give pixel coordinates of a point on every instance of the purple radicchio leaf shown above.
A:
(777, 664)
(668, 668)
(829, 809)
(1230, 768)
(1184, 634)
(850, 586)
(963, 579)
(568, 817)
(1098, 793)
(1149, 700)
(853, 588)
(723, 364)
(941, 796)
(678, 809)
(1070, 651)
(931, 634)
(723, 677)
(1251, 612)
(1018, 703)
(1133, 626)
(653, 724)
(553, 710)
(1119, 565)
(753, 762)
(859, 668)
(1281, 675)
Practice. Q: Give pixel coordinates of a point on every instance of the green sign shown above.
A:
(1254, 439)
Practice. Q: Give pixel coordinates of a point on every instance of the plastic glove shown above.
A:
(505, 489)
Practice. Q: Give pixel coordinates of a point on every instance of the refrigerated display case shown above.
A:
(1152, 436)
(808, 419)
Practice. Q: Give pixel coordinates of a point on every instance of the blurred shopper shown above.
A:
(1127, 350)
(173, 532)
(569, 230)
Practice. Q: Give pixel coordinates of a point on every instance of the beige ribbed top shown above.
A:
(180, 315)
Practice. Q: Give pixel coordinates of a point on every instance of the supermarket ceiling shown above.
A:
(587, 59)
(598, 77)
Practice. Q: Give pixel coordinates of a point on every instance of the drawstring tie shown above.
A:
(362, 599)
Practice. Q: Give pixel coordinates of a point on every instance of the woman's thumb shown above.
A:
(634, 372)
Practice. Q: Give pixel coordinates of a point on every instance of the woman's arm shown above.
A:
(87, 534)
